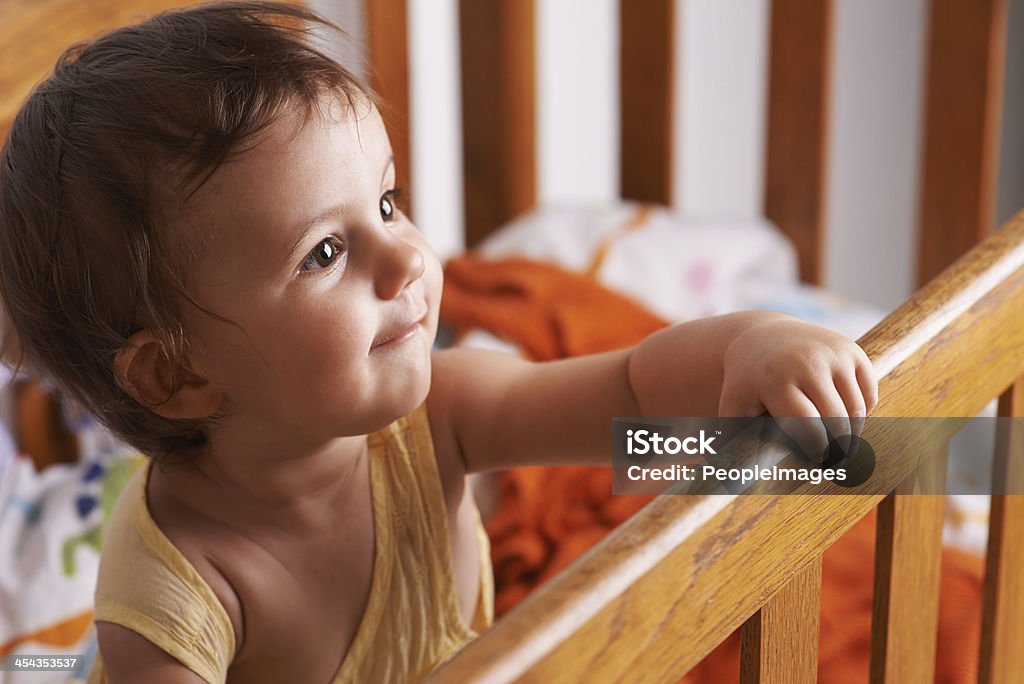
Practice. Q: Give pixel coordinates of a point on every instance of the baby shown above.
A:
(200, 240)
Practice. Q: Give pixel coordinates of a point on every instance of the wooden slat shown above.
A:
(39, 426)
(1002, 630)
(498, 111)
(797, 133)
(34, 33)
(963, 106)
(387, 37)
(779, 643)
(646, 95)
(653, 598)
(908, 555)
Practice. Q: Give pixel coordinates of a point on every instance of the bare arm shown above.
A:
(506, 412)
(130, 657)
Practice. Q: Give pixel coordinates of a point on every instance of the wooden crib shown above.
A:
(656, 596)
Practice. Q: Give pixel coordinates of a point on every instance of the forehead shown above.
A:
(294, 138)
(295, 167)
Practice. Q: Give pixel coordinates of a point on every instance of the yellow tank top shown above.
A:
(412, 620)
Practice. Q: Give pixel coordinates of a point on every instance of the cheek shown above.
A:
(221, 353)
(274, 351)
(311, 370)
(323, 336)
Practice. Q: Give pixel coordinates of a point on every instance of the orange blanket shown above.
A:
(547, 517)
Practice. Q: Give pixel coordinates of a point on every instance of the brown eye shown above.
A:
(324, 255)
(387, 206)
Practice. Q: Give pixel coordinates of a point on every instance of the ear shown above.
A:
(147, 375)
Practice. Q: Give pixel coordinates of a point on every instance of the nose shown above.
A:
(398, 263)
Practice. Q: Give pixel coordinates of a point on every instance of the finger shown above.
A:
(729, 407)
(795, 415)
(868, 382)
(853, 398)
(833, 412)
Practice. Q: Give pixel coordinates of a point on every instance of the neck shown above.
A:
(266, 482)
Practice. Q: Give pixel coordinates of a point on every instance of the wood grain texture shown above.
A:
(797, 128)
(655, 596)
(498, 112)
(646, 94)
(966, 51)
(1002, 630)
(908, 555)
(34, 33)
(779, 643)
(388, 42)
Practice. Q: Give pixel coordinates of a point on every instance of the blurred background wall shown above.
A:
(875, 133)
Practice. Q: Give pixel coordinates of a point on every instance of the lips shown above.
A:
(399, 333)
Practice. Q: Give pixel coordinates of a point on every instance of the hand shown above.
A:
(794, 370)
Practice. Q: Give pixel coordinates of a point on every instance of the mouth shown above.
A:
(399, 334)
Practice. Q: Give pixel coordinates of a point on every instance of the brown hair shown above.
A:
(126, 122)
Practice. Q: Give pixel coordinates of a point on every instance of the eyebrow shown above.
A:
(330, 212)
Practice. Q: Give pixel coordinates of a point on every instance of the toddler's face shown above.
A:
(334, 292)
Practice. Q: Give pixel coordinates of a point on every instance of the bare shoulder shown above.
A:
(193, 537)
(130, 657)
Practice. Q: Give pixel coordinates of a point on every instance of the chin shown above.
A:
(410, 392)
(419, 391)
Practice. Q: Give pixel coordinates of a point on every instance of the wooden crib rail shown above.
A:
(659, 593)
